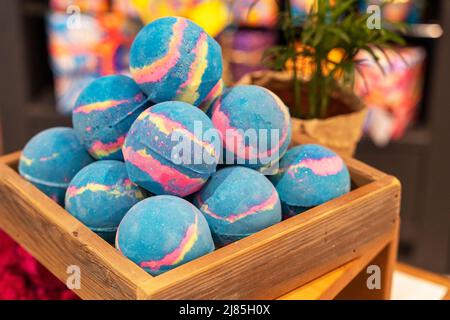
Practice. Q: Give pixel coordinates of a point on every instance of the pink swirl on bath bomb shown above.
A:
(268, 204)
(172, 180)
(321, 167)
(101, 149)
(178, 254)
(222, 122)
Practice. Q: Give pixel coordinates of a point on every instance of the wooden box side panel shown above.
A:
(289, 254)
(58, 240)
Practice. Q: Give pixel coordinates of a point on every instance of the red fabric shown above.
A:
(23, 278)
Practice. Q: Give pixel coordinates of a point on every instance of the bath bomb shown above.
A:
(51, 159)
(104, 112)
(310, 175)
(255, 126)
(172, 58)
(100, 195)
(163, 232)
(237, 202)
(172, 148)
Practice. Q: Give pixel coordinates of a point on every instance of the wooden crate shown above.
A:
(262, 266)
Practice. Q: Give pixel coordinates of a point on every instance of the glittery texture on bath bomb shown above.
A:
(172, 58)
(310, 175)
(104, 112)
(163, 232)
(237, 202)
(51, 159)
(255, 125)
(100, 195)
(169, 151)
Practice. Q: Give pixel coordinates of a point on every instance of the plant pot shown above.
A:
(341, 130)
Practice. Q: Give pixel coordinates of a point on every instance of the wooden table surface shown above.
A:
(335, 284)
(426, 275)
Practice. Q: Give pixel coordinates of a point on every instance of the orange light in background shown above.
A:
(307, 5)
(306, 65)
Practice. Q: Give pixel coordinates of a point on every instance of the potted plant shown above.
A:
(314, 70)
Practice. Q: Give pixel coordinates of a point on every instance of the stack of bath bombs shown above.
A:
(179, 67)
(100, 194)
(159, 138)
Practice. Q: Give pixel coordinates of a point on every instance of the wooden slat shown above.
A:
(362, 173)
(11, 159)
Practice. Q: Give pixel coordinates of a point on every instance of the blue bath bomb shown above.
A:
(255, 126)
(51, 159)
(100, 195)
(310, 175)
(237, 202)
(163, 232)
(291, 211)
(104, 112)
(172, 58)
(172, 148)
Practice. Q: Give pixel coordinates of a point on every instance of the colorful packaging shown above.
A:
(393, 95)
(243, 50)
(251, 13)
(84, 6)
(83, 47)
